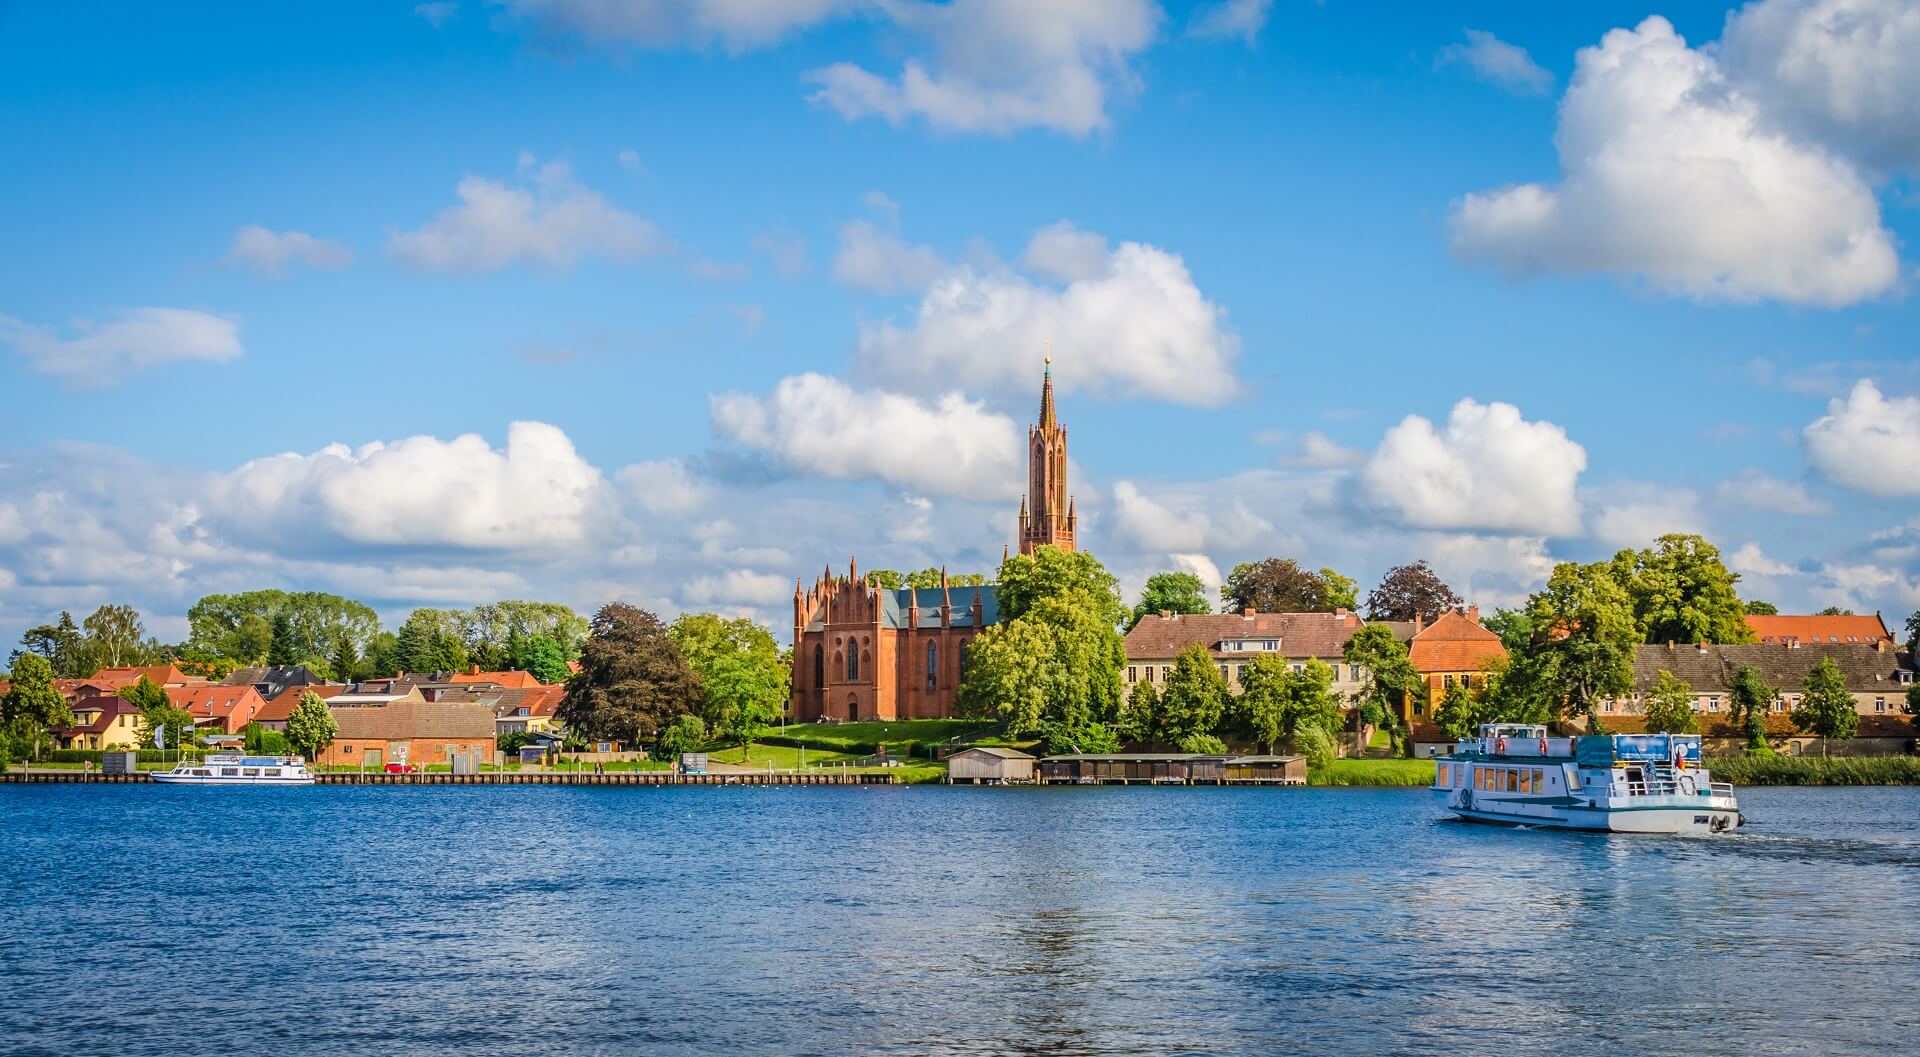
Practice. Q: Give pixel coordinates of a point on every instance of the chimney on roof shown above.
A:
(1340, 613)
(1166, 614)
(1880, 645)
(1247, 612)
(473, 669)
(1419, 622)
(1701, 646)
(1473, 614)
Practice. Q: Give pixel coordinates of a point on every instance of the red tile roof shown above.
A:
(104, 709)
(1790, 628)
(1300, 634)
(158, 674)
(1454, 643)
(229, 707)
(279, 708)
(507, 680)
(403, 720)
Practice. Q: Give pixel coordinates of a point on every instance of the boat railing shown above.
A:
(1673, 787)
(1721, 789)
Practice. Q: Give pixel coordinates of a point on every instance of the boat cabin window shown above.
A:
(273, 772)
(229, 772)
(1513, 780)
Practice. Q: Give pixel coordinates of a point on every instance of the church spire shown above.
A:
(1046, 514)
(1047, 420)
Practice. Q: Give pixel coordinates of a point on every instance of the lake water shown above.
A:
(749, 921)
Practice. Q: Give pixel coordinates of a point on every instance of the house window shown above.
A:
(1449, 681)
(1133, 673)
(346, 750)
(1879, 704)
(1609, 705)
(1239, 672)
(1297, 668)
(933, 665)
(1713, 704)
(853, 663)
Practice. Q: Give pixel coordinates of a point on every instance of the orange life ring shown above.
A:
(1543, 746)
(1500, 745)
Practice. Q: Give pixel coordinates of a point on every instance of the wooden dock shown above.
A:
(508, 778)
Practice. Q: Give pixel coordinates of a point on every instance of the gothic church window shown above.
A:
(933, 665)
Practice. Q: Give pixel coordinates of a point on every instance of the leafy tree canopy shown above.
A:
(31, 707)
(1052, 666)
(541, 656)
(1280, 585)
(1669, 706)
(1581, 651)
(633, 679)
(684, 734)
(1408, 591)
(249, 625)
(1680, 591)
(1826, 707)
(429, 641)
(311, 727)
(1758, 608)
(1194, 699)
(894, 579)
(1170, 593)
(743, 678)
(63, 646)
(1835, 611)
(1748, 701)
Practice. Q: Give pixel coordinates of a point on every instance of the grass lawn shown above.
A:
(782, 757)
(1373, 772)
(907, 737)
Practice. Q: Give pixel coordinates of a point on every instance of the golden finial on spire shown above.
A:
(1048, 358)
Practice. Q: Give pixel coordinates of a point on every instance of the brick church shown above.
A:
(863, 652)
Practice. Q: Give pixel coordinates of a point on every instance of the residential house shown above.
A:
(1877, 676)
(1454, 650)
(101, 722)
(1236, 639)
(1832, 630)
(528, 711)
(279, 708)
(218, 709)
(409, 731)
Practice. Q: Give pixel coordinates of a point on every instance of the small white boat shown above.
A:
(1514, 774)
(239, 770)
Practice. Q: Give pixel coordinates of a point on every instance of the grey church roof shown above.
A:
(896, 605)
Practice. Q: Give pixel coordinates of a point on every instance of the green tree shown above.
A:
(1264, 699)
(242, 625)
(1755, 607)
(283, 649)
(742, 678)
(62, 645)
(1204, 743)
(544, 658)
(31, 707)
(383, 657)
(1513, 627)
(1052, 666)
(1669, 706)
(1317, 745)
(1826, 707)
(886, 579)
(1913, 633)
(251, 642)
(1170, 593)
(1195, 696)
(1748, 700)
(1913, 704)
(1460, 713)
(1835, 611)
(1280, 585)
(158, 713)
(429, 641)
(1140, 716)
(311, 727)
(488, 631)
(1680, 591)
(114, 634)
(1581, 652)
(633, 679)
(1391, 680)
(684, 734)
(1408, 591)
(1341, 591)
(344, 657)
(263, 742)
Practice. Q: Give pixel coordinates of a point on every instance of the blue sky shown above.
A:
(774, 304)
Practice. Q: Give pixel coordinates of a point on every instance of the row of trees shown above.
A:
(337, 637)
(675, 686)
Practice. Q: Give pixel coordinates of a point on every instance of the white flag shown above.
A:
(159, 737)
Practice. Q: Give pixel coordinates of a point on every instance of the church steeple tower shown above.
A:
(1046, 512)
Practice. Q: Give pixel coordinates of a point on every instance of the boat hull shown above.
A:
(165, 778)
(1695, 815)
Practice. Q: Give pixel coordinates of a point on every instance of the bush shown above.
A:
(1204, 743)
(1316, 744)
(1816, 770)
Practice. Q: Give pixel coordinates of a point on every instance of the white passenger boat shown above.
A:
(1621, 783)
(239, 770)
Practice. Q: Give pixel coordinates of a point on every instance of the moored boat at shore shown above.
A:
(1515, 774)
(239, 770)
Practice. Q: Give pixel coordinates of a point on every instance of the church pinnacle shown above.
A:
(1046, 512)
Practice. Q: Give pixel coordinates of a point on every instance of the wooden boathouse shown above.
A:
(1172, 768)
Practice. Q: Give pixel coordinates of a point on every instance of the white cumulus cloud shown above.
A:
(739, 587)
(551, 222)
(1757, 490)
(270, 252)
(1504, 64)
(1066, 253)
(1320, 452)
(999, 66)
(420, 491)
(1140, 327)
(1489, 470)
(664, 486)
(1192, 527)
(1868, 442)
(1845, 73)
(1672, 173)
(873, 257)
(105, 353)
(813, 424)
(1634, 514)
